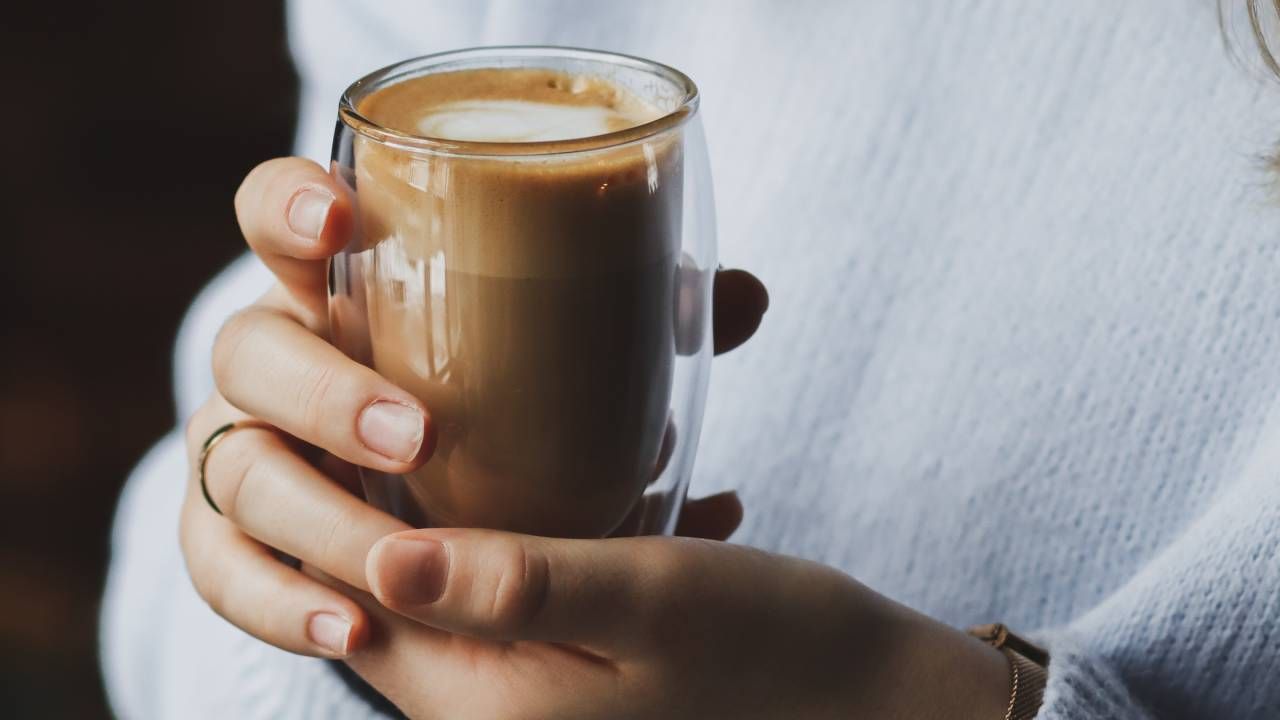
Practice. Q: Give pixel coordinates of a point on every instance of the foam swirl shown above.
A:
(493, 120)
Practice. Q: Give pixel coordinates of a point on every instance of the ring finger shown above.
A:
(271, 493)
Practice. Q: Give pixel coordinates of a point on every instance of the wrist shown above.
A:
(919, 667)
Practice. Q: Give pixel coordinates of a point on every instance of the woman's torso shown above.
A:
(1024, 311)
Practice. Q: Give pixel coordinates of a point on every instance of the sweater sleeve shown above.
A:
(1196, 632)
(1081, 686)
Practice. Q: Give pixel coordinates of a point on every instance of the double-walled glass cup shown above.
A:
(549, 302)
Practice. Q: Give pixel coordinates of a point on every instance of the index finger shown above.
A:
(294, 216)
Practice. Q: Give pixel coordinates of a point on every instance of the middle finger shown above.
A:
(275, 496)
(272, 368)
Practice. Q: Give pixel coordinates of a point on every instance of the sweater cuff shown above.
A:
(1082, 686)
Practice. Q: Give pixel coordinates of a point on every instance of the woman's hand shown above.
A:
(497, 625)
(292, 489)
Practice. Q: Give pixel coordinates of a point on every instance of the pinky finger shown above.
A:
(244, 583)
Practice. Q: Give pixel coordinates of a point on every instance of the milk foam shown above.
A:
(522, 121)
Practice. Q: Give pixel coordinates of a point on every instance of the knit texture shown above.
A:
(1022, 358)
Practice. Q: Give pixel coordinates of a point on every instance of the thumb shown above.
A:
(503, 586)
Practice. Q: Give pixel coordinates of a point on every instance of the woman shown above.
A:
(1018, 367)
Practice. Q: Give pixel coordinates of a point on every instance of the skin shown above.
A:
(460, 623)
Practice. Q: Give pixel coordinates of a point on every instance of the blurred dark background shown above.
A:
(129, 126)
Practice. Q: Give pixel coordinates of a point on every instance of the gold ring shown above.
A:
(214, 439)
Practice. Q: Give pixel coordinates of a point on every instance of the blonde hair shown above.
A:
(1260, 12)
(1264, 16)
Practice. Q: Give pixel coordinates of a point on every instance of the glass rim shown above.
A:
(348, 114)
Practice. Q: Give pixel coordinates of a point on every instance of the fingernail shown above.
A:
(308, 211)
(412, 572)
(329, 631)
(392, 430)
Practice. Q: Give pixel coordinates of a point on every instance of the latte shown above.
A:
(528, 299)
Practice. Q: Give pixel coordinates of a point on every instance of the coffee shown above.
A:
(529, 300)
(512, 105)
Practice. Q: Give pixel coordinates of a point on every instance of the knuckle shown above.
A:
(318, 388)
(237, 469)
(194, 429)
(257, 182)
(185, 543)
(263, 619)
(191, 431)
(208, 589)
(330, 540)
(198, 427)
(667, 563)
(251, 186)
(204, 584)
(669, 573)
(519, 588)
(229, 344)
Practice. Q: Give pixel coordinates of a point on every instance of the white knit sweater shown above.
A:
(1022, 361)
